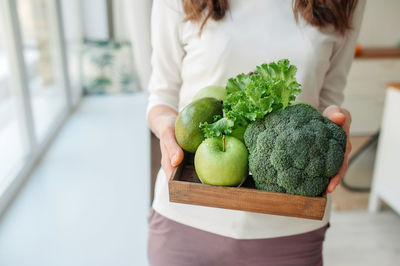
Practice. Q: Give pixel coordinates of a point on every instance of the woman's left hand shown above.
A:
(341, 117)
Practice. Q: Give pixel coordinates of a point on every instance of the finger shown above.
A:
(175, 152)
(331, 109)
(338, 118)
(349, 147)
(348, 115)
(335, 181)
(347, 123)
(335, 114)
(165, 162)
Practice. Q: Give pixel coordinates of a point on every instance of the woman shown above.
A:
(197, 43)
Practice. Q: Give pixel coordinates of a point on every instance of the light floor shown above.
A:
(359, 238)
(87, 202)
(359, 175)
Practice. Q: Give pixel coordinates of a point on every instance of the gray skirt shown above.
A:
(174, 244)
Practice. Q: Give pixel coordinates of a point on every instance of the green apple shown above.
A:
(217, 92)
(221, 161)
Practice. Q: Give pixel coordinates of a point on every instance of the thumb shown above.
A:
(335, 114)
(175, 152)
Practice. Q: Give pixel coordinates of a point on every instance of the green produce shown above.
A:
(221, 161)
(238, 132)
(217, 92)
(187, 131)
(250, 97)
(295, 150)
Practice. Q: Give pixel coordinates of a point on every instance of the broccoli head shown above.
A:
(295, 150)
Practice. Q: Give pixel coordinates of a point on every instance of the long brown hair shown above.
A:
(318, 13)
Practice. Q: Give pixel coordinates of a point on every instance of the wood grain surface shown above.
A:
(378, 53)
(185, 187)
(395, 85)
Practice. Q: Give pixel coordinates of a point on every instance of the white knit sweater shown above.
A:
(253, 32)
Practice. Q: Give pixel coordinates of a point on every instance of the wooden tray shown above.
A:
(185, 187)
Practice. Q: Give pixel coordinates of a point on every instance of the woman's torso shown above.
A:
(252, 33)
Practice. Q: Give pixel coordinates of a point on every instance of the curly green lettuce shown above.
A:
(251, 96)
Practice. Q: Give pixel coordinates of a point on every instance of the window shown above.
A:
(47, 94)
(71, 16)
(12, 150)
(35, 92)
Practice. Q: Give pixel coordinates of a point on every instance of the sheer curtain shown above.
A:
(132, 22)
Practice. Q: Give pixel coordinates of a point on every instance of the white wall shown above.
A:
(365, 92)
(381, 25)
(132, 22)
(366, 86)
(94, 19)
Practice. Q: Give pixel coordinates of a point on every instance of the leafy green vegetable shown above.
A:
(268, 88)
(221, 125)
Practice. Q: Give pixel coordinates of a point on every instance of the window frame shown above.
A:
(11, 184)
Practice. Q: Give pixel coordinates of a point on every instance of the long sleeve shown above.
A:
(340, 63)
(167, 55)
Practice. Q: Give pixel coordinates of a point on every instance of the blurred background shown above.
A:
(77, 161)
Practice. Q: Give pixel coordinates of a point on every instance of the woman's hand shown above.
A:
(341, 117)
(171, 152)
(161, 119)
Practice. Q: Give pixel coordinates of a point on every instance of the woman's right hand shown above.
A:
(171, 152)
(161, 120)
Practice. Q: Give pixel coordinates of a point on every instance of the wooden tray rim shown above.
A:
(180, 168)
(318, 215)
